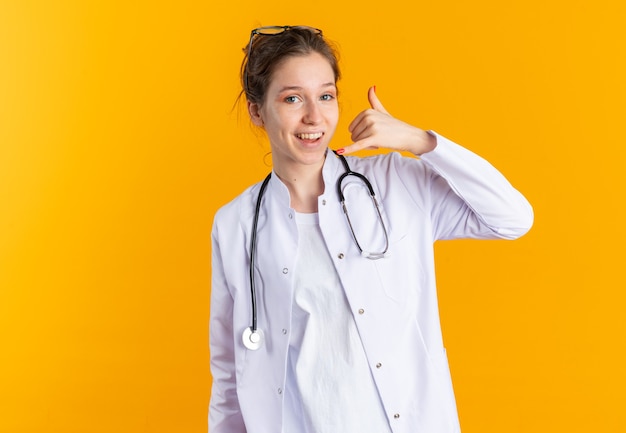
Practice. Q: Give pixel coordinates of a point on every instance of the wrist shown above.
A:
(427, 142)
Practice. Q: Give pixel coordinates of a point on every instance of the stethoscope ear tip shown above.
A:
(252, 340)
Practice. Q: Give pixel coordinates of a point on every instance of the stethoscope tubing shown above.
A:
(252, 336)
(253, 251)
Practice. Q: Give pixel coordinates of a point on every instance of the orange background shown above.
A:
(118, 142)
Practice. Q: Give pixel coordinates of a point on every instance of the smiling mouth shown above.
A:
(306, 136)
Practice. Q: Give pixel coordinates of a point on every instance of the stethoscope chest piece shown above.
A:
(252, 339)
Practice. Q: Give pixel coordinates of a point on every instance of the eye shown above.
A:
(327, 97)
(291, 99)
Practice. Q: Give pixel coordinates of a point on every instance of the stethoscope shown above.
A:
(252, 336)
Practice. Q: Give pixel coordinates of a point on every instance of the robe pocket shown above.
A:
(400, 274)
(439, 358)
(241, 359)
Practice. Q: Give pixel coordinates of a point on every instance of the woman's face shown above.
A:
(300, 111)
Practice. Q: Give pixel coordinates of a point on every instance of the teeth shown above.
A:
(310, 136)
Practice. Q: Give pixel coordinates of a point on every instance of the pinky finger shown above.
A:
(356, 146)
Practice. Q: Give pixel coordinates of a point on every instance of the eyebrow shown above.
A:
(290, 88)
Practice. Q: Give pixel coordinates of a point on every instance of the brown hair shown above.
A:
(268, 51)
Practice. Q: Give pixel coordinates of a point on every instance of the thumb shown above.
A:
(374, 101)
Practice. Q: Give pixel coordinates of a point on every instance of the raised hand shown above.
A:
(375, 128)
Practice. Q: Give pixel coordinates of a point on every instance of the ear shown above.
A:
(255, 113)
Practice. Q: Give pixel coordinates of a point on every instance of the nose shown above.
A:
(312, 113)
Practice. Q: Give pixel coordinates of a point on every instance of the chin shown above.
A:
(314, 156)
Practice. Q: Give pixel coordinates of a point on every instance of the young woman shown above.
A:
(324, 314)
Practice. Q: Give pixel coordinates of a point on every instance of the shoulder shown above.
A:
(390, 165)
(238, 209)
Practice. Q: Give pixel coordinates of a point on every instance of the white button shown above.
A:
(280, 391)
(290, 216)
(285, 270)
(378, 365)
(323, 202)
(284, 332)
(396, 416)
(340, 255)
(361, 311)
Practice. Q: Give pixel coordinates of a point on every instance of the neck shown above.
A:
(305, 185)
